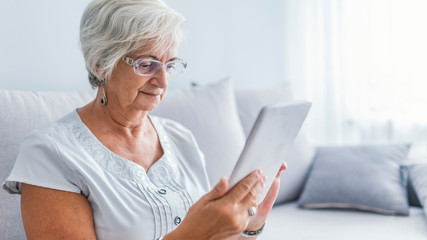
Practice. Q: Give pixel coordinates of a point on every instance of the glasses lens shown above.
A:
(176, 67)
(147, 67)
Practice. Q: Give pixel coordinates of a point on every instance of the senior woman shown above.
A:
(109, 170)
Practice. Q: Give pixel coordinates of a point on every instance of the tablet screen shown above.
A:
(270, 141)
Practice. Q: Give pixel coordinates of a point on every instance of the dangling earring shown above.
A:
(103, 96)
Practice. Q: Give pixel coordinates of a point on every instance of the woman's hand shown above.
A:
(265, 206)
(221, 214)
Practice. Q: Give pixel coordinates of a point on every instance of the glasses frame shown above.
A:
(133, 62)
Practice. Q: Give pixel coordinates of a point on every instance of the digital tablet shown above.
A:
(270, 140)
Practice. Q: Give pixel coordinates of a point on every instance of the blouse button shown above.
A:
(177, 220)
(162, 191)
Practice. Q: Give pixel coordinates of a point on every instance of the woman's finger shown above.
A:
(283, 167)
(218, 191)
(266, 205)
(252, 197)
(242, 188)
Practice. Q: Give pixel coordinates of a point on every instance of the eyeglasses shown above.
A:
(149, 67)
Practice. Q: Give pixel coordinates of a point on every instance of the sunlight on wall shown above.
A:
(391, 41)
(385, 71)
(364, 65)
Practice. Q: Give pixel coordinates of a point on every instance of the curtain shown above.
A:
(364, 65)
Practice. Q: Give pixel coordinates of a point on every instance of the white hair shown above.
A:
(111, 29)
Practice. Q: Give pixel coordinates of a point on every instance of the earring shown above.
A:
(103, 96)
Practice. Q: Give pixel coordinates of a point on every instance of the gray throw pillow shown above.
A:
(367, 178)
(412, 195)
(418, 176)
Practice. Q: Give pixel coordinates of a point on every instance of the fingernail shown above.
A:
(221, 183)
(286, 165)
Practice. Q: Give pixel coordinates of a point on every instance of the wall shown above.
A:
(237, 38)
(39, 45)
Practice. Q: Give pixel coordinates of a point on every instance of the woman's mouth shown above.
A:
(154, 95)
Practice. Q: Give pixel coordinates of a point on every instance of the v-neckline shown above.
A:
(161, 138)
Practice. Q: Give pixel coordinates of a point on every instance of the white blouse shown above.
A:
(127, 202)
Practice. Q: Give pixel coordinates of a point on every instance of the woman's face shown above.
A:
(131, 92)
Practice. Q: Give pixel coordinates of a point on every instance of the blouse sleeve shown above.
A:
(39, 163)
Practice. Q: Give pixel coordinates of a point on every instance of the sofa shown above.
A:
(322, 194)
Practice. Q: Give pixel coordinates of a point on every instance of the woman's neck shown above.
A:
(108, 119)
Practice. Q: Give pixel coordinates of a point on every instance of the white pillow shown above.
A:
(210, 113)
(249, 103)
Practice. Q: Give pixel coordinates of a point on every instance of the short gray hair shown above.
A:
(111, 29)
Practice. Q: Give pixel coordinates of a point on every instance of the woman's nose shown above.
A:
(161, 78)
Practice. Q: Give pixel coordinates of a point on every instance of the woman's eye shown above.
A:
(145, 64)
(171, 66)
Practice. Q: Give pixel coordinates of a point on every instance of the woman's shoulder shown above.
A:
(40, 162)
(175, 133)
(56, 129)
(172, 127)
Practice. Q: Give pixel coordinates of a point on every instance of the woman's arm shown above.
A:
(54, 214)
